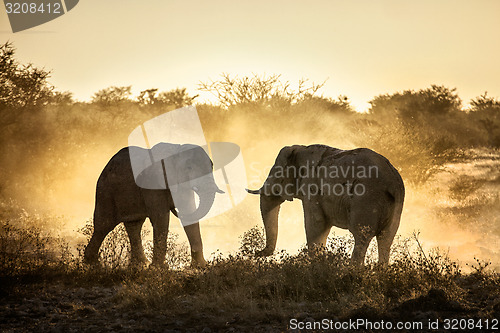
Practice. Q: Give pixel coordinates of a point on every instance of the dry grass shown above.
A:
(265, 290)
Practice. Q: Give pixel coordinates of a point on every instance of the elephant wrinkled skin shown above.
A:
(357, 189)
(120, 199)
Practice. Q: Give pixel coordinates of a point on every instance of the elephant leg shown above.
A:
(363, 227)
(317, 229)
(385, 239)
(102, 227)
(363, 234)
(361, 244)
(384, 242)
(133, 228)
(160, 233)
(194, 237)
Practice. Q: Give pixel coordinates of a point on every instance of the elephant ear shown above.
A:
(310, 156)
(147, 165)
(281, 174)
(184, 156)
(163, 154)
(164, 150)
(292, 164)
(287, 156)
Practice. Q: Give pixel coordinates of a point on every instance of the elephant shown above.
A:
(358, 190)
(122, 196)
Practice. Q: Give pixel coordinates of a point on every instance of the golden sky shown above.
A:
(364, 48)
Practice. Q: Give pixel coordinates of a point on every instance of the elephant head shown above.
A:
(185, 170)
(282, 184)
(189, 172)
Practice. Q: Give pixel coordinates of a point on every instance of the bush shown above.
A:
(252, 241)
(320, 281)
(26, 249)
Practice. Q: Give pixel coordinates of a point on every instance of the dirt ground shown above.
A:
(29, 306)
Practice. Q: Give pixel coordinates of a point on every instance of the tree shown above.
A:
(339, 106)
(486, 110)
(147, 97)
(176, 97)
(484, 103)
(62, 98)
(267, 91)
(438, 100)
(22, 87)
(411, 105)
(112, 95)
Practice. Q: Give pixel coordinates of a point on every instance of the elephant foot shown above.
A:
(264, 253)
(137, 264)
(197, 259)
(357, 263)
(138, 258)
(90, 260)
(158, 265)
(91, 264)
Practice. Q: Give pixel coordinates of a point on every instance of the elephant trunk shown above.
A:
(270, 207)
(206, 201)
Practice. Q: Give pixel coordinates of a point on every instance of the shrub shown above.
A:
(252, 241)
(26, 249)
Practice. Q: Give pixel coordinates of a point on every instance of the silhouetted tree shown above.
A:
(176, 97)
(147, 97)
(486, 110)
(439, 100)
(266, 91)
(338, 106)
(22, 87)
(411, 105)
(484, 103)
(112, 95)
(62, 98)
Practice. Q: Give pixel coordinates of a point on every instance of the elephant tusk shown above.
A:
(253, 191)
(220, 191)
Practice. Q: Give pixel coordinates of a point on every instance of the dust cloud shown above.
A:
(61, 181)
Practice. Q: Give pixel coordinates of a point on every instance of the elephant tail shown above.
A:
(396, 199)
